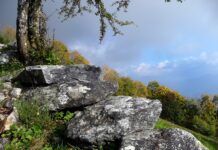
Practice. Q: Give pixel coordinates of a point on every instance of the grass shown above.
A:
(210, 142)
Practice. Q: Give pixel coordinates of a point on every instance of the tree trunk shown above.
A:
(36, 25)
(31, 28)
(22, 32)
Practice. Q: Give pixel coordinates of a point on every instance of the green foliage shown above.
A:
(10, 68)
(60, 50)
(173, 103)
(57, 54)
(46, 57)
(208, 110)
(152, 86)
(3, 39)
(7, 35)
(203, 127)
(106, 18)
(37, 126)
(205, 121)
(109, 74)
(66, 117)
(21, 137)
(32, 114)
(78, 58)
(126, 86)
(191, 111)
(215, 100)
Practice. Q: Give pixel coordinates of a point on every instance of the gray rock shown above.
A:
(16, 92)
(7, 85)
(6, 78)
(110, 120)
(11, 119)
(2, 97)
(164, 139)
(2, 46)
(50, 74)
(12, 45)
(8, 104)
(70, 95)
(6, 56)
(3, 142)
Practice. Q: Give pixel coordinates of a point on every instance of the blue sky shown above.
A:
(173, 43)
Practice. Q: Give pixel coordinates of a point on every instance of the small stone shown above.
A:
(11, 119)
(2, 97)
(2, 46)
(7, 85)
(8, 104)
(6, 56)
(6, 92)
(3, 142)
(16, 92)
(2, 117)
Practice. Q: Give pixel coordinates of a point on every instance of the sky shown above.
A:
(173, 43)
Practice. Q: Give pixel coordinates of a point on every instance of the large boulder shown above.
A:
(164, 139)
(73, 94)
(112, 119)
(52, 74)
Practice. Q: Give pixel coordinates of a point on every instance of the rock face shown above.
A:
(73, 94)
(112, 119)
(165, 139)
(51, 74)
(103, 120)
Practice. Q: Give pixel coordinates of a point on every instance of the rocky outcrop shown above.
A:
(62, 87)
(113, 118)
(115, 122)
(51, 74)
(73, 94)
(164, 139)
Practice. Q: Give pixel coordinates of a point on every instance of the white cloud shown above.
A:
(167, 66)
(145, 69)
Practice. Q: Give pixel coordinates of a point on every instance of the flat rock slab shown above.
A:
(52, 74)
(164, 139)
(73, 94)
(111, 119)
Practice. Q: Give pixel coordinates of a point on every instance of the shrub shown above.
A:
(21, 137)
(32, 114)
(7, 35)
(203, 127)
(10, 67)
(64, 116)
(61, 51)
(57, 54)
(78, 58)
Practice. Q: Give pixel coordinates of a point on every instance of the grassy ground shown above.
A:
(210, 142)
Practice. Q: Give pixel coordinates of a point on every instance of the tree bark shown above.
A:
(22, 32)
(31, 28)
(36, 25)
